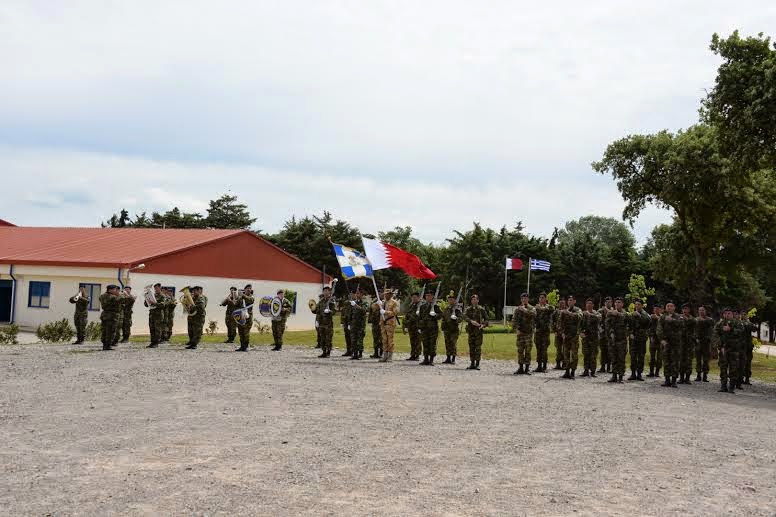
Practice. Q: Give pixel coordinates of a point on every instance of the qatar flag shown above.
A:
(383, 255)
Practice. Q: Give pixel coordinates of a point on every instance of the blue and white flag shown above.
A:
(353, 263)
(539, 265)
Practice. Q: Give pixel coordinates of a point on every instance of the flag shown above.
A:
(353, 263)
(383, 255)
(514, 263)
(539, 265)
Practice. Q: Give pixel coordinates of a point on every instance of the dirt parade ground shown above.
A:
(211, 432)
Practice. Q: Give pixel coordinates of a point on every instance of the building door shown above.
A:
(6, 291)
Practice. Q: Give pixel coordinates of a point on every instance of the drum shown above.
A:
(265, 306)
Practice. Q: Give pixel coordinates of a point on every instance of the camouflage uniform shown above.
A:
(591, 328)
(80, 317)
(345, 320)
(704, 329)
(325, 321)
(279, 323)
(196, 321)
(604, 341)
(429, 330)
(688, 348)
(570, 324)
(231, 325)
(747, 352)
(156, 318)
(358, 314)
(559, 346)
(377, 335)
(655, 355)
(474, 333)
(669, 329)
(410, 324)
(110, 313)
(729, 350)
(169, 317)
(617, 332)
(128, 306)
(119, 317)
(388, 322)
(639, 322)
(523, 322)
(451, 330)
(244, 331)
(542, 334)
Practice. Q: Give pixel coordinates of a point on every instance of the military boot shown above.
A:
(592, 373)
(431, 360)
(242, 349)
(632, 375)
(673, 382)
(746, 381)
(573, 374)
(277, 347)
(347, 353)
(638, 376)
(566, 375)
(698, 377)
(323, 354)
(657, 372)
(667, 383)
(354, 356)
(731, 387)
(477, 365)
(411, 358)
(557, 366)
(687, 378)
(705, 377)
(602, 369)
(519, 371)
(425, 360)
(651, 372)
(723, 387)
(447, 360)
(538, 368)
(452, 359)
(586, 373)
(471, 366)
(375, 355)
(527, 370)
(613, 379)
(619, 378)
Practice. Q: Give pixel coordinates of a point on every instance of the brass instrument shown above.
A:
(149, 296)
(312, 304)
(187, 301)
(77, 296)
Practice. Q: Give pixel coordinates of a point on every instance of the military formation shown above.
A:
(675, 340)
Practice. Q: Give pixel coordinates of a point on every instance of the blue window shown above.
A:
(39, 295)
(93, 291)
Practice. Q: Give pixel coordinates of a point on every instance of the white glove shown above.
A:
(349, 327)
(453, 317)
(352, 303)
(316, 324)
(326, 311)
(432, 313)
(382, 312)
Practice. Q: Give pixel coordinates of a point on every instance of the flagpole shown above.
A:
(504, 310)
(528, 289)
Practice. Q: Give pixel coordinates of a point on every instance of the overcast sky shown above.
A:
(423, 113)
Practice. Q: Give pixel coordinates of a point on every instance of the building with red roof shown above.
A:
(41, 268)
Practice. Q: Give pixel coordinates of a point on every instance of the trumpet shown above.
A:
(77, 296)
(187, 301)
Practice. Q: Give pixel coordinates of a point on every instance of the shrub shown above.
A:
(260, 327)
(212, 327)
(8, 334)
(55, 332)
(93, 331)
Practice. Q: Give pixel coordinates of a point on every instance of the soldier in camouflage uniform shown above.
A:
(81, 315)
(410, 326)
(570, 326)
(128, 306)
(729, 332)
(358, 314)
(377, 333)
(196, 317)
(169, 315)
(345, 320)
(244, 328)
(156, 316)
(230, 302)
(523, 322)
(704, 329)
(324, 319)
(450, 318)
(688, 345)
(603, 337)
(638, 324)
(747, 352)
(430, 314)
(109, 302)
(279, 321)
(476, 318)
(669, 332)
(617, 332)
(119, 317)
(558, 334)
(591, 328)
(544, 314)
(655, 353)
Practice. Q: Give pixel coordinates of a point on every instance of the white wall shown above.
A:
(64, 284)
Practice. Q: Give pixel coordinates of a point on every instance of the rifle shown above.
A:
(422, 292)
(436, 296)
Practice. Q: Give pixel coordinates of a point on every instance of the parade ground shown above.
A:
(211, 432)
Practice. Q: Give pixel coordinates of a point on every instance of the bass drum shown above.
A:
(270, 306)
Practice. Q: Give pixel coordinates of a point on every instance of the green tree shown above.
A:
(225, 212)
(637, 289)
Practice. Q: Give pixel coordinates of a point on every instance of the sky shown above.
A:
(431, 114)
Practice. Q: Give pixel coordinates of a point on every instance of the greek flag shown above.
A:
(353, 263)
(540, 265)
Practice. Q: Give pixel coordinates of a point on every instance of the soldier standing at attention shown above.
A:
(279, 321)
(669, 331)
(155, 316)
(324, 318)
(450, 319)
(591, 327)
(688, 345)
(728, 333)
(81, 315)
(244, 329)
(430, 313)
(617, 331)
(704, 329)
(544, 314)
(128, 306)
(747, 353)
(606, 362)
(410, 326)
(655, 355)
(169, 315)
(476, 318)
(196, 317)
(374, 320)
(570, 324)
(523, 322)
(119, 317)
(358, 314)
(389, 319)
(345, 320)
(109, 302)
(558, 334)
(639, 328)
(230, 302)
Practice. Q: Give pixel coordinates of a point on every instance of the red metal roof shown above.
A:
(3, 222)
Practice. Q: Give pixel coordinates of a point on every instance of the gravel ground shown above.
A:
(210, 432)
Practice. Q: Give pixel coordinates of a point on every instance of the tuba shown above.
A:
(187, 301)
(149, 296)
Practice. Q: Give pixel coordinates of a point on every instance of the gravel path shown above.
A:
(210, 432)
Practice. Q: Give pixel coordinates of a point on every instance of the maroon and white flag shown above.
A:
(383, 255)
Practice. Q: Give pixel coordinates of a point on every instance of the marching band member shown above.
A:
(279, 321)
(156, 315)
(81, 315)
(169, 315)
(230, 302)
(196, 317)
(245, 323)
(324, 314)
(127, 306)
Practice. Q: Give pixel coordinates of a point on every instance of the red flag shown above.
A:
(383, 255)
(514, 263)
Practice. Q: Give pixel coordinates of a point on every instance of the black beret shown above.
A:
(589, 300)
(638, 300)
(428, 293)
(542, 293)
(128, 287)
(524, 295)
(416, 293)
(608, 298)
(685, 306)
(327, 288)
(727, 309)
(473, 295)
(112, 286)
(197, 287)
(451, 297)
(157, 284)
(281, 291)
(669, 301)
(248, 286)
(571, 297)
(618, 299)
